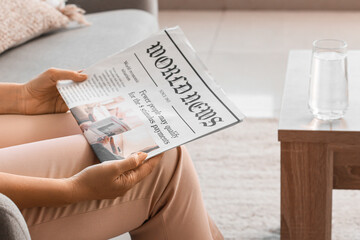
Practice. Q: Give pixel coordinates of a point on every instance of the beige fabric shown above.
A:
(22, 20)
(166, 205)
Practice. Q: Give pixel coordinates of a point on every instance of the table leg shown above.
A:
(306, 191)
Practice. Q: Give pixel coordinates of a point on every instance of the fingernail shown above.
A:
(79, 71)
(83, 75)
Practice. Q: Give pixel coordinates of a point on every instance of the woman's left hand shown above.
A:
(110, 179)
(40, 95)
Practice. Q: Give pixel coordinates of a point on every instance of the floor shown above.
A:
(246, 51)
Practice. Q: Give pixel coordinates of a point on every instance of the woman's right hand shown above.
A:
(85, 126)
(110, 179)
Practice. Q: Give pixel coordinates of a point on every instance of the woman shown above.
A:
(48, 169)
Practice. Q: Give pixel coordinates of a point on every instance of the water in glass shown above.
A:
(328, 94)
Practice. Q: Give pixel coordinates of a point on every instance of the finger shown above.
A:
(138, 174)
(63, 108)
(60, 105)
(61, 74)
(131, 162)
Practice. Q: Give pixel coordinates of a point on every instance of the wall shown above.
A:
(261, 4)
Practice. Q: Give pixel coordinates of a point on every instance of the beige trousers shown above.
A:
(167, 204)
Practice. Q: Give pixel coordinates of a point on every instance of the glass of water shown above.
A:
(328, 92)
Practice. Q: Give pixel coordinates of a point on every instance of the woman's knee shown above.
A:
(176, 166)
(176, 178)
(173, 176)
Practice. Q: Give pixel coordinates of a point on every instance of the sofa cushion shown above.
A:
(77, 47)
(12, 223)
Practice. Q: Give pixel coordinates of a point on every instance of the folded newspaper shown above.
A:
(151, 97)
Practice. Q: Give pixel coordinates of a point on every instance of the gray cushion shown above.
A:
(77, 47)
(105, 5)
(12, 223)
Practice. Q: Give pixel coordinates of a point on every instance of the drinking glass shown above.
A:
(328, 92)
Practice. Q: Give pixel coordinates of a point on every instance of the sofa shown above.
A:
(116, 25)
(78, 47)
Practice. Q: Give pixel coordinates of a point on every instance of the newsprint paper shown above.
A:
(151, 97)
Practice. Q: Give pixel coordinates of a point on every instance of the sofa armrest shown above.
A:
(92, 6)
(12, 223)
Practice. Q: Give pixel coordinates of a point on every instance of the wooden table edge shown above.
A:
(311, 136)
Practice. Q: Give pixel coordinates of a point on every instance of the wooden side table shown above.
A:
(316, 156)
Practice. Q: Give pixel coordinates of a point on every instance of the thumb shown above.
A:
(131, 162)
(55, 75)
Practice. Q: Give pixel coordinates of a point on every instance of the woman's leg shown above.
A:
(20, 129)
(167, 204)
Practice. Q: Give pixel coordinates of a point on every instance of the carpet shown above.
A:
(239, 172)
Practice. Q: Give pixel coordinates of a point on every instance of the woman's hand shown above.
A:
(40, 95)
(110, 179)
(85, 125)
(102, 181)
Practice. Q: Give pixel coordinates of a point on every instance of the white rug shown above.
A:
(239, 171)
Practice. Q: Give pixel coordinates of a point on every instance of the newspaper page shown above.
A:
(151, 97)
